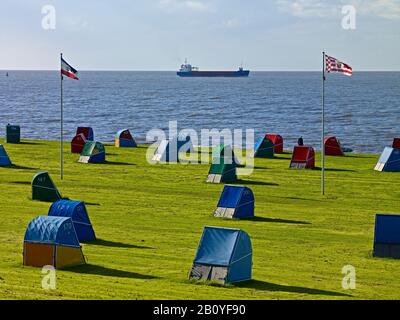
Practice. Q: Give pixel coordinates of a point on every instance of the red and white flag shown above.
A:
(334, 65)
(68, 71)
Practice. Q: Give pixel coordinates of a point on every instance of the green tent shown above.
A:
(43, 188)
(93, 152)
(264, 148)
(223, 167)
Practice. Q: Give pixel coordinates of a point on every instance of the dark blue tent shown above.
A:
(235, 202)
(76, 210)
(389, 160)
(387, 236)
(4, 159)
(224, 255)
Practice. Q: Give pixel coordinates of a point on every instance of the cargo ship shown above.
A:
(187, 70)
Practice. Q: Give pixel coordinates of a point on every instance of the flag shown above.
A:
(68, 71)
(334, 65)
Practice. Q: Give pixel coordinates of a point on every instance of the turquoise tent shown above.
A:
(224, 255)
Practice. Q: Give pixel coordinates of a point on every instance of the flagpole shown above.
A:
(323, 127)
(61, 129)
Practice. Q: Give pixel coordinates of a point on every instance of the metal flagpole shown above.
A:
(61, 129)
(323, 126)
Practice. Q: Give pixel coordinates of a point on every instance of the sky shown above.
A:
(263, 35)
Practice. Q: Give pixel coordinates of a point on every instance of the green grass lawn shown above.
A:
(149, 220)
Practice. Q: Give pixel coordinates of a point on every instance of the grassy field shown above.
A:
(149, 220)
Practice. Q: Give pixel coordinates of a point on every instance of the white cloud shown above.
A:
(387, 9)
(188, 5)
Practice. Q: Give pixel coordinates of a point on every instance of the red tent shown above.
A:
(77, 143)
(396, 143)
(277, 140)
(333, 147)
(86, 131)
(303, 158)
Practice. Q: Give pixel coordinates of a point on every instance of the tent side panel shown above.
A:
(68, 257)
(38, 254)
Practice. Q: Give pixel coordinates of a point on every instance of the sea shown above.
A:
(362, 110)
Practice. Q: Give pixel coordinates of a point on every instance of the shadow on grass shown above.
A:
(108, 272)
(267, 286)
(115, 244)
(298, 198)
(276, 220)
(119, 163)
(334, 170)
(92, 204)
(30, 143)
(21, 182)
(256, 183)
(15, 166)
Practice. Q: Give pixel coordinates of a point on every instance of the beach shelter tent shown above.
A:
(333, 147)
(264, 148)
(235, 202)
(389, 160)
(124, 139)
(76, 210)
(387, 236)
(396, 143)
(167, 151)
(13, 134)
(223, 167)
(77, 143)
(87, 132)
(93, 152)
(43, 188)
(303, 158)
(52, 241)
(277, 140)
(224, 255)
(4, 159)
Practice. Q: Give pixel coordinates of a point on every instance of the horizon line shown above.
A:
(138, 70)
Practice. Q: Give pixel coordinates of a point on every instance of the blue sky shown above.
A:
(159, 34)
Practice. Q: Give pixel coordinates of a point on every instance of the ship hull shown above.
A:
(214, 74)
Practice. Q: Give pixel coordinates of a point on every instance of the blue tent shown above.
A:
(389, 160)
(224, 255)
(168, 150)
(235, 202)
(124, 139)
(387, 236)
(52, 241)
(76, 210)
(52, 230)
(4, 159)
